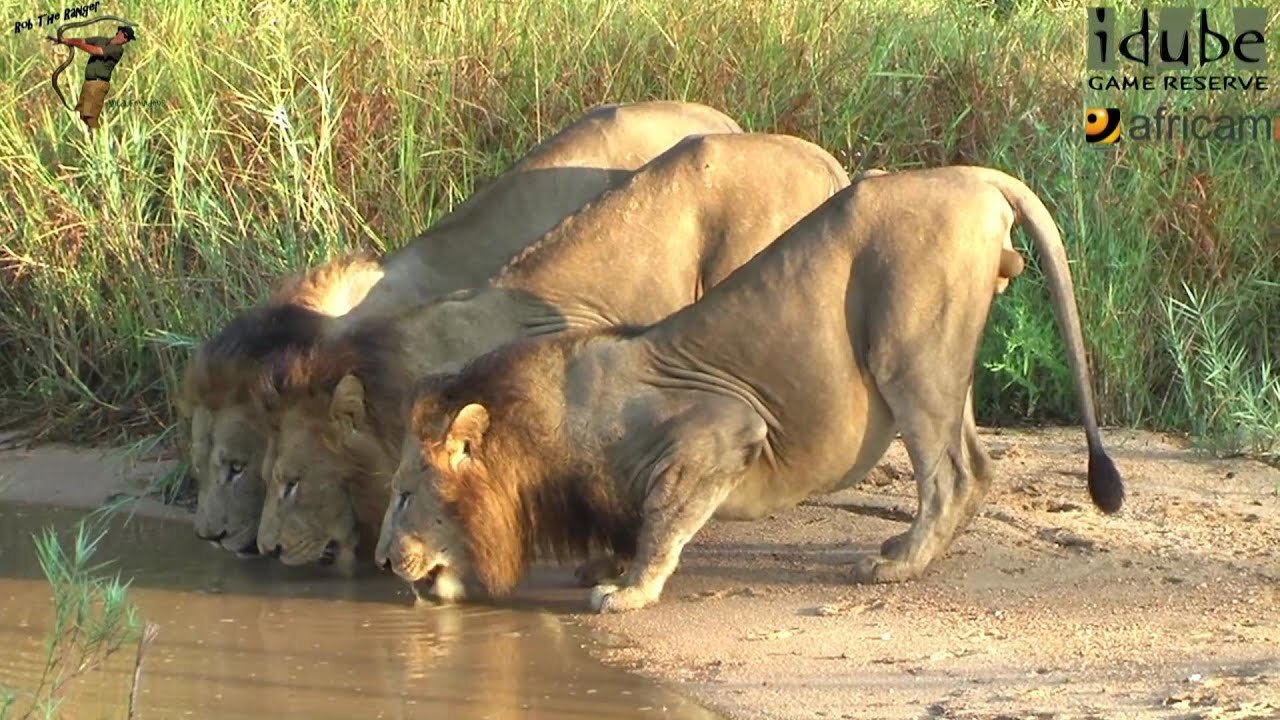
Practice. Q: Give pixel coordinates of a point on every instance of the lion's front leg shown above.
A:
(681, 502)
(716, 442)
(598, 569)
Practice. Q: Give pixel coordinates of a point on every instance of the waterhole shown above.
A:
(255, 639)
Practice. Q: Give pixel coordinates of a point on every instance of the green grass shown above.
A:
(286, 132)
(93, 619)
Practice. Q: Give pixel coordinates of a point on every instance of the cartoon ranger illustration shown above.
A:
(104, 54)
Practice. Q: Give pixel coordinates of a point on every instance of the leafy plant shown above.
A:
(93, 620)
(1234, 395)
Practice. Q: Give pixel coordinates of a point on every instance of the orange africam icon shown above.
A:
(1102, 125)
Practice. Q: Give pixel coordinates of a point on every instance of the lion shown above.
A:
(788, 379)
(463, 249)
(227, 446)
(679, 225)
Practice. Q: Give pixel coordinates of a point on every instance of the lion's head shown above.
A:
(422, 538)
(226, 454)
(482, 483)
(331, 410)
(228, 430)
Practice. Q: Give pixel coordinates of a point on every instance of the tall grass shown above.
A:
(287, 131)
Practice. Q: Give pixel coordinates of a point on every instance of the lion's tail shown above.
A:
(1105, 485)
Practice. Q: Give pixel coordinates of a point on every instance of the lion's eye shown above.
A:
(290, 488)
(402, 501)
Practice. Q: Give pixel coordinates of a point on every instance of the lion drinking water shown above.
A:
(228, 433)
(788, 379)
(678, 226)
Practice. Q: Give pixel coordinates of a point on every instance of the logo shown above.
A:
(1176, 37)
(1101, 125)
(102, 56)
(1190, 127)
(1222, 53)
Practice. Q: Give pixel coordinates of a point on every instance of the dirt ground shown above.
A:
(1043, 609)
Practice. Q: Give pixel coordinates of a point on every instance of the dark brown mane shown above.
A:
(371, 350)
(527, 495)
(226, 366)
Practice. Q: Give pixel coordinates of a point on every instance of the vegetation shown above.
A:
(93, 619)
(284, 132)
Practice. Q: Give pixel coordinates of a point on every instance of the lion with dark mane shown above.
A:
(227, 442)
(468, 472)
(228, 433)
(640, 251)
(788, 379)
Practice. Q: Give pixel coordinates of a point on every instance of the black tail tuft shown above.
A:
(1105, 486)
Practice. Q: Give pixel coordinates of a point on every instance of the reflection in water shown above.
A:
(254, 639)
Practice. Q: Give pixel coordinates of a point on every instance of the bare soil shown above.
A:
(1045, 608)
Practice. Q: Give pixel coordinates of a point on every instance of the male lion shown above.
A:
(227, 444)
(786, 380)
(679, 225)
(463, 249)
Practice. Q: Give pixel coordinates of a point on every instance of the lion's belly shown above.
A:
(819, 460)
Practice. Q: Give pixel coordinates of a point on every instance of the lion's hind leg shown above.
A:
(938, 462)
(981, 470)
(971, 492)
(707, 451)
(924, 375)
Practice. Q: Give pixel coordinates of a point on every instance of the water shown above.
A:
(254, 639)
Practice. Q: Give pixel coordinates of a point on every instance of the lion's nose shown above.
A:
(211, 537)
(274, 553)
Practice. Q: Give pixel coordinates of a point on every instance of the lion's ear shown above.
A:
(465, 433)
(347, 406)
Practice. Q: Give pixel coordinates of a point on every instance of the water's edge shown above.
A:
(239, 635)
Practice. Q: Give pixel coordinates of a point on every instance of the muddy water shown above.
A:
(253, 639)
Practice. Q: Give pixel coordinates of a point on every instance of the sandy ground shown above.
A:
(1043, 609)
(69, 476)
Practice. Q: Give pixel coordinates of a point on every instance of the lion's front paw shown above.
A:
(895, 548)
(873, 569)
(599, 569)
(613, 599)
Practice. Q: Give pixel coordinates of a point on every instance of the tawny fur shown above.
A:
(523, 497)
(464, 248)
(638, 252)
(788, 379)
